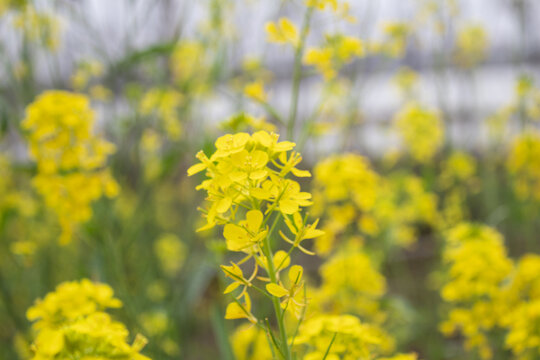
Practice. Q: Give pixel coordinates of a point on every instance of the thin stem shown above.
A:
(297, 72)
(273, 278)
(329, 346)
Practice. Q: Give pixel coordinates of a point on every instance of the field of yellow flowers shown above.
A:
(189, 199)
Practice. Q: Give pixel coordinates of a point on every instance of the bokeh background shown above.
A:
(166, 78)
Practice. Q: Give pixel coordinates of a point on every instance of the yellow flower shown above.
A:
(301, 231)
(322, 60)
(523, 164)
(293, 296)
(282, 32)
(247, 188)
(521, 298)
(337, 51)
(243, 121)
(322, 4)
(395, 41)
(477, 268)
(421, 131)
(406, 79)
(190, 66)
(237, 310)
(350, 338)
(245, 235)
(71, 320)
(239, 170)
(471, 45)
(400, 357)
(171, 252)
(71, 161)
(255, 91)
(38, 27)
(350, 283)
(250, 343)
(154, 322)
(165, 103)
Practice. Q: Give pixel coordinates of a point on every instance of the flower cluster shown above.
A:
(421, 131)
(247, 187)
(487, 292)
(171, 253)
(337, 51)
(522, 300)
(456, 180)
(189, 65)
(523, 164)
(471, 45)
(523, 108)
(357, 200)
(71, 323)
(71, 161)
(165, 104)
(346, 190)
(37, 26)
(350, 284)
(250, 343)
(343, 337)
(395, 40)
(282, 32)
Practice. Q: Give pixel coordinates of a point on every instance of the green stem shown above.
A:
(297, 72)
(273, 278)
(221, 334)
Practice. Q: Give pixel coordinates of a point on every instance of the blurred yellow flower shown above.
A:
(165, 103)
(523, 164)
(282, 32)
(337, 51)
(171, 252)
(255, 91)
(471, 45)
(72, 319)
(250, 343)
(71, 161)
(421, 131)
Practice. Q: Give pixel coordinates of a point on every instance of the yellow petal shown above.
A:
(259, 159)
(300, 173)
(298, 221)
(231, 287)
(238, 176)
(233, 271)
(281, 260)
(276, 290)
(235, 311)
(224, 205)
(260, 194)
(236, 236)
(258, 174)
(284, 146)
(254, 220)
(196, 168)
(295, 273)
(288, 207)
(50, 342)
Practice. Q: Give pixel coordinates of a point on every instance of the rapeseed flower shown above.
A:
(421, 131)
(282, 32)
(71, 161)
(71, 321)
(337, 51)
(523, 164)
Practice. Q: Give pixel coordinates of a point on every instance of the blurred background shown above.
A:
(166, 78)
